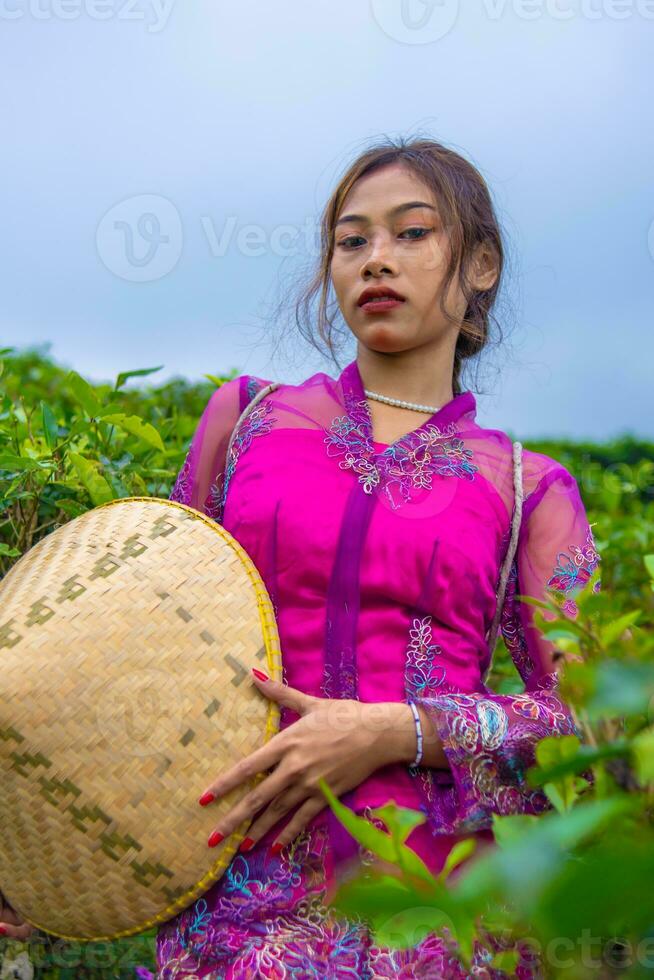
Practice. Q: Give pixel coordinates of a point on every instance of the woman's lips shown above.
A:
(380, 305)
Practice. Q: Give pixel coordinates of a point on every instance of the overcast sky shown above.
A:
(156, 157)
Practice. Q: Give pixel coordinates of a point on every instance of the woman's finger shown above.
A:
(269, 754)
(258, 761)
(287, 696)
(298, 822)
(21, 931)
(278, 807)
(9, 916)
(252, 802)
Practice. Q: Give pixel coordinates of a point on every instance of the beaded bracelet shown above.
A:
(416, 717)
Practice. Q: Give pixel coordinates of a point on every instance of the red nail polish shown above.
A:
(246, 844)
(3, 931)
(260, 674)
(215, 838)
(276, 847)
(206, 798)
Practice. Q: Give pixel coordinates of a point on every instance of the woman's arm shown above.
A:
(398, 741)
(489, 739)
(200, 481)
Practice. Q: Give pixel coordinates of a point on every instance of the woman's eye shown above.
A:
(425, 230)
(347, 242)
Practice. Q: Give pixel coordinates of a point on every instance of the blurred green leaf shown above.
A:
(506, 960)
(140, 373)
(136, 427)
(50, 427)
(72, 507)
(612, 631)
(98, 488)
(399, 821)
(6, 550)
(84, 394)
(12, 463)
(216, 380)
(585, 757)
(621, 688)
(643, 749)
(552, 751)
(385, 846)
(461, 851)
(526, 869)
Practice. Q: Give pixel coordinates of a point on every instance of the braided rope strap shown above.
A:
(518, 494)
(250, 405)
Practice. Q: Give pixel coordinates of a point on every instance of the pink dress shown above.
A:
(382, 563)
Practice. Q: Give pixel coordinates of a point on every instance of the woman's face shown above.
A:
(380, 241)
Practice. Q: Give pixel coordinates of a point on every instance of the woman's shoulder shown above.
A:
(235, 393)
(541, 468)
(538, 468)
(251, 385)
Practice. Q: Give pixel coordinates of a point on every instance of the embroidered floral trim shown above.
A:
(256, 423)
(573, 573)
(511, 626)
(421, 679)
(196, 934)
(489, 739)
(366, 856)
(421, 673)
(348, 438)
(489, 748)
(569, 573)
(182, 487)
(408, 464)
(340, 680)
(268, 916)
(253, 386)
(213, 505)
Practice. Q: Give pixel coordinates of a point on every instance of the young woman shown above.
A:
(379, 528)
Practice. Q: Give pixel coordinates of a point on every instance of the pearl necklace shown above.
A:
(431, 409)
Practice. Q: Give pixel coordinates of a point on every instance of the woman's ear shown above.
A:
(483, 267)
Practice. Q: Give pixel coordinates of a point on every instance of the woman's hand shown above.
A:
(11, 923)
(342, 741)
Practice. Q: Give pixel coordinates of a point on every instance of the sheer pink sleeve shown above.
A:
(200, 481)
(489, 739)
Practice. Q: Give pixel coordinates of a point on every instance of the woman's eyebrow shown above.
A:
(396, 210)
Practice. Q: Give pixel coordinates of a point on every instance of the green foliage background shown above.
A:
(67, 445)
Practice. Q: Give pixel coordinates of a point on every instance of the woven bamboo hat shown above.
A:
(127, 638)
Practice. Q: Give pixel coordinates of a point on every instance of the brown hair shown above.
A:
(466, 209)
